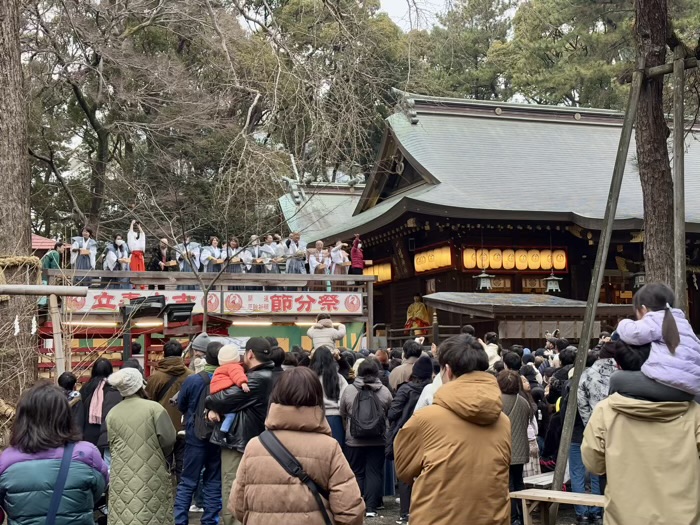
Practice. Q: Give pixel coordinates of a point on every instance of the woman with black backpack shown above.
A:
(401, 410)
(364, 405)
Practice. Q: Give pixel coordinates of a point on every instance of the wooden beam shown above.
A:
(596, 282)
(679, 276)
(667, 69)
(287, 279)
(42, 290)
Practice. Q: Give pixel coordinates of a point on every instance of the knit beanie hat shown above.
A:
(127, 380)
(200, 343)
(423, 368)
(229, 354)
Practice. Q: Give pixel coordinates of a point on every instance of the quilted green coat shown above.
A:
(141, 435)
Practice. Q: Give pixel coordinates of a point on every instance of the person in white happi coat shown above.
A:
(137, 247)
(211, 254)
(339, 259)
(83, 254)
(319, 259)
(253, 256)
(319, 264)
(117, 258)
(295, 252)
(270, 255)
(233, 254)
(187, 255)
(83, 251)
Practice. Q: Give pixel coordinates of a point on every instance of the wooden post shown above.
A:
(436, 330)
(679, 272)
(58, 350)
(596, 282)
(370, 315)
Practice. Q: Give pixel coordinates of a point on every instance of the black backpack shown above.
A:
(202, 427)
(367, 419)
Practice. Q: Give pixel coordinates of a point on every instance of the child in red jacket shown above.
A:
(229, 373)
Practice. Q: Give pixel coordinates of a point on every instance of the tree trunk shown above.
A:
(650, 31)
(15, 238)
(99, 174)
(17, 363)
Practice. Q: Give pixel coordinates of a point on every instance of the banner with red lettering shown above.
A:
(231, 303)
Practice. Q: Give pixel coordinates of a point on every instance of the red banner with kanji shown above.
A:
(232, 303)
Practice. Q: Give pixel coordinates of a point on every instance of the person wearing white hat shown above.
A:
(141, 436)
(231, 372)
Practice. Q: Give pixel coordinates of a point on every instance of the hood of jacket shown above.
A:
(648, 410)
(173, 366)
(375, 384)
(324, 323)
(474, 397)
(301, 419)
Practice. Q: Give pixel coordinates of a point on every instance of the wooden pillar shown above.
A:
(680, 279)
(370, 315)
(58, 349)
(596, 282)
(436, 330)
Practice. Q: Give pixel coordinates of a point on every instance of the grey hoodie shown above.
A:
(346, 406)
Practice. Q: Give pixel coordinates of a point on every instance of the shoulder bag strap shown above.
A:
(290, 464)
(60, 484)
(165, 389)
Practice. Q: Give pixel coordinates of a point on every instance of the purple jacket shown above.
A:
(27, 484)
(680, 370)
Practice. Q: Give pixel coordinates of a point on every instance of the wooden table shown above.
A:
(533, 498)
(543, 481)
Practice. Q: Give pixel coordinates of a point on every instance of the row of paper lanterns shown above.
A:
(482, 259)
(499, 259)
(381, 271)
(433, 259)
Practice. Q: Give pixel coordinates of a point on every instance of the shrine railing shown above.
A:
(276, 295)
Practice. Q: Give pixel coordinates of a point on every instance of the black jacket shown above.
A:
(112, 399)
(401, 410)
(97, 434)
(558, 384)
(157, 257)
(276, 373)
(251, 408)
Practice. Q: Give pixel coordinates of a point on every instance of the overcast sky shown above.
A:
(399, 13)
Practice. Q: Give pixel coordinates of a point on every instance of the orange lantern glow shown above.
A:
(546, 260)
(521, 259)
(482, 259)
(559, 259)
(508, 259)
(469, 258)
(533, 259)
(495, 259)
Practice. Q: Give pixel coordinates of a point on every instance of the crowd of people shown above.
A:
(257, 435)
(262, 254)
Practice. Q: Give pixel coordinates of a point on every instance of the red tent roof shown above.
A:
(42, 243)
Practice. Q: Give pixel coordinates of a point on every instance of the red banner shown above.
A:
(232, 303)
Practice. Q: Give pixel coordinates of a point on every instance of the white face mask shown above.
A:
(119, 242)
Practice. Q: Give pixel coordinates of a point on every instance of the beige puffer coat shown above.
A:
(324, 334)
(649, 452)
(264, 494)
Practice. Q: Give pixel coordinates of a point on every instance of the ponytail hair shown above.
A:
(656, 297)
(669, 330)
